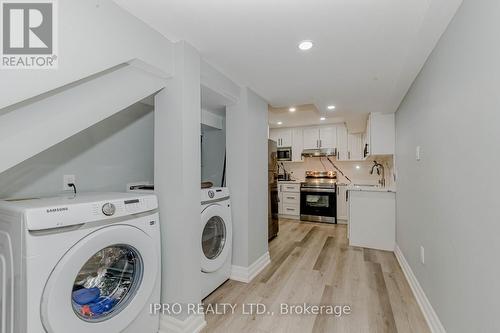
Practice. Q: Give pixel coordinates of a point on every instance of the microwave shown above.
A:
(285, 154)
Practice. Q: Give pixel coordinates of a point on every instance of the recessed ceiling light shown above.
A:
(358, 167)
(330, 107)
(322, 118)
(291, 109)
(280, 123)
(306, 45)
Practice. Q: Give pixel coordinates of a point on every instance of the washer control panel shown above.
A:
(108, 209)
(61, 212)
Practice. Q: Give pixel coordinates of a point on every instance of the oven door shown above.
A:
(318, 204)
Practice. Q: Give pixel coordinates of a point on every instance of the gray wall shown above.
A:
(104, 157)
(213, 150)
(448, 201)
(247, 176)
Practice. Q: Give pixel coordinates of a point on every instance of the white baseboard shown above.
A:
(246, 274)
(430, 315)
(192, 324)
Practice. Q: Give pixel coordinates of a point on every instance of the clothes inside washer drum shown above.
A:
(106, 282)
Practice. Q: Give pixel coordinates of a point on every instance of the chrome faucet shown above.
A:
(380, 172)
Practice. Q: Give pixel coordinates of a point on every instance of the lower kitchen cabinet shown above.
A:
(289, 205)
(372, 219)
(342, 204)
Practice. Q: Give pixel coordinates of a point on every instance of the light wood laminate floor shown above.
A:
(312, 263)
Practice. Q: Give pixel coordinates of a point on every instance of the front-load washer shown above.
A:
(216, 238)
(88, 263)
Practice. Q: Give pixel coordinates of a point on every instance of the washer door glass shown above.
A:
(106, 283)
(213, 237)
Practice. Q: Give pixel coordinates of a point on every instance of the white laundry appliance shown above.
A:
(216, 238)
(141, 187)
(80, 264)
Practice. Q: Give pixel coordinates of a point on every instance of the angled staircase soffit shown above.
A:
(30, 127)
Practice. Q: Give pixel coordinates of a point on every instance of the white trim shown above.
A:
(430, 315)
(247, 274)
(192, 324)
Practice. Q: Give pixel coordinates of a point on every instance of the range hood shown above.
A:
(319, 152)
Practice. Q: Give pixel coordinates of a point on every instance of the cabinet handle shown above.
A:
(290, 198)
(349, 155)
(290, 209)
(320, 144)
(346, 195)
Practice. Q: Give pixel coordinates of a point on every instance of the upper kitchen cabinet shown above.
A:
(349, 146)
(320, 137)
(297, 144)
(328, 137)
(311, 137)
(380, 135)
(342, 146)
(282, 136)
(355, 147)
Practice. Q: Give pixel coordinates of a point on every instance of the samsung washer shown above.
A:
(90, 263)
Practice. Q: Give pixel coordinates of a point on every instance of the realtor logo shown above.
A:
(29, 39)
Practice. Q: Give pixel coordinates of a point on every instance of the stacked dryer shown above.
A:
(216, 238)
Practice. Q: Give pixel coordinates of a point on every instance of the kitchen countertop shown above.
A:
(350, 187)
(370, 188)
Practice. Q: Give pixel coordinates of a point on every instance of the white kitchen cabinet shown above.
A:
(280, 203)
(320, 137)
(289, 194)
(355, 147)
(328, 137)
(380, 134)
(282, 136)
(342, 204)
(372, 219)
(342, 145)
(310, 137)
(297, 144)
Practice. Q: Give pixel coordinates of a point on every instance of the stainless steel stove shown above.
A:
(318, 201)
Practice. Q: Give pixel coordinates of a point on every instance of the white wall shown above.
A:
(246, 128)
(212, 154)
(104, 157)
(448, 201)
(177, 180)
(93, 36)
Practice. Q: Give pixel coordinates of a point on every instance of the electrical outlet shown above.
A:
(417, 153)
(422, 255)
(68, 179)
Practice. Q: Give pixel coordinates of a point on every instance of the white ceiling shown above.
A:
(366, 54)
(309, 115)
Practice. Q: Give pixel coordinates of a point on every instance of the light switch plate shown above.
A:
(417, 153)
(422, 255)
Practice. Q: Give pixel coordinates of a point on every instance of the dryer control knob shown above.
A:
(108, 209)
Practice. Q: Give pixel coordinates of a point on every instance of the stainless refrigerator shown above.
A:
(272, 183)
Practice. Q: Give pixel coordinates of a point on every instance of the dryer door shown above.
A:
(216, 237)
(102, 283)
